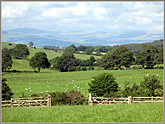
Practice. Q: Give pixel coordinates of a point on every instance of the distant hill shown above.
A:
(28, 31)
(88, 38)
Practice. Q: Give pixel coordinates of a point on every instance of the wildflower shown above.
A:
(72, 80)
(30, 90)
(47, 86)
(26, 89)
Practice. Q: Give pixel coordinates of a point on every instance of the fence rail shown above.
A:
(27, 102)
(129, 100)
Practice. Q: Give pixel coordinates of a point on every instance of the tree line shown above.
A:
(113, 59)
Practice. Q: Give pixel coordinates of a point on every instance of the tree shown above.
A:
(71, 48)
(92, 58)
(20, 50)
(6, 91)
(107, 61)
(159, 56)
(88, 51)
(103, 84)
(151, 83)
(6, 60)
(39, 60)
(30, 44)
(126, 59)
(140, 60)
(65, 61)
(118, 57)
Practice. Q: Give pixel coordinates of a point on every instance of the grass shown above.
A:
(52, 80)
(142, 112)
(50, 53)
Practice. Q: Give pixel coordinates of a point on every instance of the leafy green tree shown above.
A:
(30, 44)
(39, 60)
(71, 48)
(107, 61)
(81, 48)
(65, 61)
(151, 83)
(126, 59)
(92, 58)
(103, 84)
(148, 54)
(159, 56)
(117, 57)
(6, 60)
(140, 60)
(6, 91)
(20, 50)
(88, 51)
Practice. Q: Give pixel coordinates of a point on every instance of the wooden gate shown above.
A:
(27, 102)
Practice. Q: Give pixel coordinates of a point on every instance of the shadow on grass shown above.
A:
(17, 71)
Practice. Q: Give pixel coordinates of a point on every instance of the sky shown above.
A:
(83, 16)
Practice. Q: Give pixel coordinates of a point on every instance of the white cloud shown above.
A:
(143, 20)
(13, 10)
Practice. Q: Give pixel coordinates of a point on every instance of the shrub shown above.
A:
(6, 91)
(59, 98)
(151, 83)
(83, 68)
(136, 67)
(71, 68)
(78, 68)
(75, 98)
(91, 68)
(103, 84)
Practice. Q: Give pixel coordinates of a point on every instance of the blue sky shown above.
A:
(83, 16)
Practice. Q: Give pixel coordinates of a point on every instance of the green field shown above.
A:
(50, 53)
(53, 80)
(141, 112)
(49, 80)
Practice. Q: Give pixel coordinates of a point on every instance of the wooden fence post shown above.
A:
(152, 99)
(49, 100)
(90, 102)
(129, 99)
(11, 103)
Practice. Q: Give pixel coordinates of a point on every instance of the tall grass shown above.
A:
(142, 112)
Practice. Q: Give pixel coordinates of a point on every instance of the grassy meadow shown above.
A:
(53, 80)
(142, 112)
(49, 80)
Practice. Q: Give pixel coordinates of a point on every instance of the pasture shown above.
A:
(27, 82)
(141, 112)
(50, 53)
(53, 80)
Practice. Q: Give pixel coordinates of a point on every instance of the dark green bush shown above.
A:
(6, 91)
(83, 68)
(71, 68)
(91, 68)
(59, 98)
(78, 68)
(75, 98)
(103, 84)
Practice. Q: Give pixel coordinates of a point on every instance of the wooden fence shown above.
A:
(27, 102)
(129, 100)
